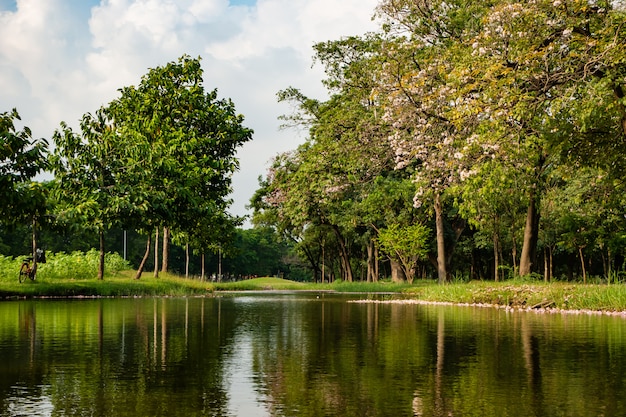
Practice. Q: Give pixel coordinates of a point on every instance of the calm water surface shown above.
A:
(304, 355)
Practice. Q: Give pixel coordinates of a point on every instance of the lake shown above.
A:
(304, 354)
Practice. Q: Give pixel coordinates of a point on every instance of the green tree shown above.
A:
(323, 183)
(551, 93)
(21, 159)
(424, 103)
(87, 168)
(23, 201)
(406, 244)
(183, 141)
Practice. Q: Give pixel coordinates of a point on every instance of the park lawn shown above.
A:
(510, 294)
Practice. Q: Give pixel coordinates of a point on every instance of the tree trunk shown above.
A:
(34, 247)
(202, 266)
(101, 266)
(496, 255)
(323, 260)
(397, 274)
(187, 260)
(546, 268)
(312, 261)
(376, 271)
(343, 253)
(145, 258)
(156, 253)
(582, 264)
(609, 269)
(529, 247)
(514, 254)
(442, 274)
(372, 261)
(166, 249)
(551, 270)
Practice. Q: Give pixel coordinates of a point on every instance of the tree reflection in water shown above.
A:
(304, 354)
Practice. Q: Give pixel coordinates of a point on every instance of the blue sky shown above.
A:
(8, 5)
(60, 59)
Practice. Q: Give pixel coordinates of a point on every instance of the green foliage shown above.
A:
(181, 144)
(474, 109)
(21, 158)
(407, 244)
(62, 266)
(257, 251)
(162, 154)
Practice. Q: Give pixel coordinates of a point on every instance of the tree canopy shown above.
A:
(162, 154)
(21, 159)
(488, 108)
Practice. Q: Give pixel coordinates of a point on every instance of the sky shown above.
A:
(60, 59)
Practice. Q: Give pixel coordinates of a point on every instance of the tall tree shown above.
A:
(21, 159)
(22, 201)
(186, 140)
(87, 168)
(422, 54)
(541, 89)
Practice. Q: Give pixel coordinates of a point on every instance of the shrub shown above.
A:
(75, 265)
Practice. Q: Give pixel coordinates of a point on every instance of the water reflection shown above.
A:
(304, 354)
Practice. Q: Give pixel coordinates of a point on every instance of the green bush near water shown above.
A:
(75, 265)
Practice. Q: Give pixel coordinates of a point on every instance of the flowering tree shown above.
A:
(425, 103)
(553, 84)
(466, 83)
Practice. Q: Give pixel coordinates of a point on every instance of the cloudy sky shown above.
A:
(60, 59)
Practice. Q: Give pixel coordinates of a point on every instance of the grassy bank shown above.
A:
(122, 284)
(514, 294)
(521, 294)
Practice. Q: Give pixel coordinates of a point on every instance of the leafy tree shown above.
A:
(22, 201)
(183, 142)
(87, 168)
(491, 202)
(539, 88)
(423, 101)
(21, 159)
(465, 79)
(406, 244)
(324, 182)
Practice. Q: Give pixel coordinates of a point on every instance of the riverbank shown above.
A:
(539, 296)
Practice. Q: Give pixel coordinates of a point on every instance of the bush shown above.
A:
(76, 265)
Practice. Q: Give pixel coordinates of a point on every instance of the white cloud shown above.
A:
(61, 58)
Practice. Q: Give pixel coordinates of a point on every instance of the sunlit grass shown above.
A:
(259, 284)
(74, 275)
(522, 294)
(120, 285)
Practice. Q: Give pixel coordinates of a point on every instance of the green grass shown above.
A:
(74, 275)
(522, 294)
(121, 285)
(261, 284)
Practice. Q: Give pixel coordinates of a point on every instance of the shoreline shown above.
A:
(538, 310)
